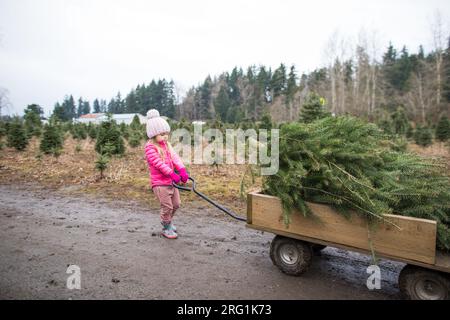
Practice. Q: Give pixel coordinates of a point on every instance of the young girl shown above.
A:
(162, 162)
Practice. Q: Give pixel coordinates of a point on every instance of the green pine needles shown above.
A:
(350, 164)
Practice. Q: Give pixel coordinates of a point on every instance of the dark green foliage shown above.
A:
(83, 107)
(135, 138)
(348, 163)
(32, 117)
(266, 122)
(400, 123)
(222, 103)
(423, 136)
(279, 81)
(96, 106)
(123, 130)
(135, 123)
(92, 131)
(410, 131)
(17, 137)
(101, 164)
(52, 138)
(109, 132)
(67, 110)
(3, 130)
(386, 125)
(443, 129)
(79, 131)
(313, 108)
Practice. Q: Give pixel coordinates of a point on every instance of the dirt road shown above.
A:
(121, 255)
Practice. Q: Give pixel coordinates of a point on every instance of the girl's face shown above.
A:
(162, 137)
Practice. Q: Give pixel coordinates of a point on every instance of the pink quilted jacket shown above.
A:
(160, 170)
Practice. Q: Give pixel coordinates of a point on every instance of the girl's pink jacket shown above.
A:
(160, 170)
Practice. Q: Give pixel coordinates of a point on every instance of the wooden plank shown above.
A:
(415, 240)
(249, 207)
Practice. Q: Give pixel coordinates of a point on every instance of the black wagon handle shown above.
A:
(201, 195)
(183, 187)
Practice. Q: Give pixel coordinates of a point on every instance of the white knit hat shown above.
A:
(155, 124)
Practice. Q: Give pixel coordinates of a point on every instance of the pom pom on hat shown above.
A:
(152, 113)
(155, 124)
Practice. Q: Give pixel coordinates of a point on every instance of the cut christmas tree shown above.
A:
(351, 165)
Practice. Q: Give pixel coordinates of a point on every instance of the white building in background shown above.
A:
(98, 118)
(90, 118)
(126, 118)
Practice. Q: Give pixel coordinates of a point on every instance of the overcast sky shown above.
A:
(93, 49)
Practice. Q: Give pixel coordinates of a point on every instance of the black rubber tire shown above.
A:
(283, 248)
(412, 281)
(317, 247)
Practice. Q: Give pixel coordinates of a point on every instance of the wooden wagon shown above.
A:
(409, 240)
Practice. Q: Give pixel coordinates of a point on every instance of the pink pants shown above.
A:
(169, 198)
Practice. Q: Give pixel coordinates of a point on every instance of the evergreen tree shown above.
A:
(410, 131)
(135, 138)
(291, 84)
(80, 107)
(86, 108)
(205, 99)
(101, 164)
(443, 129)
(266, 122)
(58, 111)
(386, 125)
(119, 104)
(69, 108)
(222, 103)
(52, 138)
(109, 133)
(313, 108)
(79, 131)
(423, 136)
(135, 123)
(32, 117)
(400, 121)
(263, 85)
(112, 106)
(403, 68)
(131, 102)
(235, 92)
(2, 130)
(348, 164)
(103, 106)
(17, 137)
(96, 106)
(92, 130)
(279, 82)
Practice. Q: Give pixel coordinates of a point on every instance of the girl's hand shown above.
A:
(184, 175)
(175, 178)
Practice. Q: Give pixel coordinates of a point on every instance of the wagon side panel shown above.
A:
(402, 237)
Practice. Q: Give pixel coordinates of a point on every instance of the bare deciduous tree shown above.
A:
(437, 30)
(4, 100)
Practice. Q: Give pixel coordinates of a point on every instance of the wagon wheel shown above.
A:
(422, 284)
(292, 256)
(317, 248)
